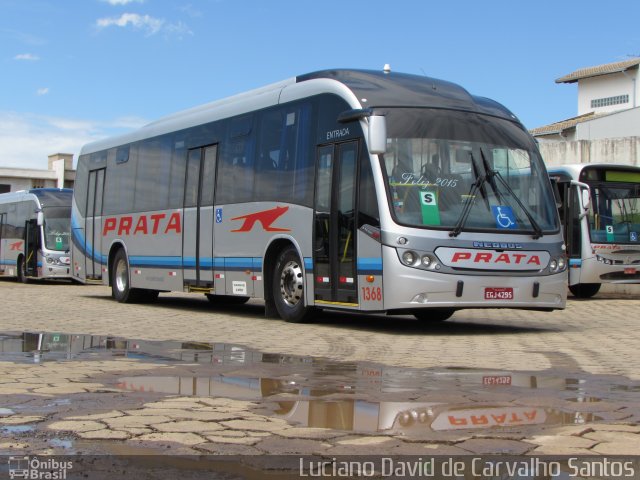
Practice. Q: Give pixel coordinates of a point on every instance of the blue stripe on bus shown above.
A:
(308, 264)
(575, 262)
(369, 266)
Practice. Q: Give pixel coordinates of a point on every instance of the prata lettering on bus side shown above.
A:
(144, 225)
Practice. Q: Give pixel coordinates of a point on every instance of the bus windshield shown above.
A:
(614, 216)
(464, 171)
(57, 228)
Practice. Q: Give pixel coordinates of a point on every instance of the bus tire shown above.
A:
(226, 299)
(120, 282)
(584, 290)
(21, 272)
(288, 287)
(433, 314)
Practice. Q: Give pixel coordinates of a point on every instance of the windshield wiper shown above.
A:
(491, 173)
(471, 196)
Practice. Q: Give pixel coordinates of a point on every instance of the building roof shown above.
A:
(562, 125)
(599, 70)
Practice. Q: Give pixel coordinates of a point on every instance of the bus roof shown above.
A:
(46, 197)
(360, 88)
(573, 170)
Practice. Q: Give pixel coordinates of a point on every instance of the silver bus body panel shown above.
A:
(234, 263)
(13, 247)
(591, 268)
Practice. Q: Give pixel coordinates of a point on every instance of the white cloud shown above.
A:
(146, 23)
(42, 91)
(30, 57)
(26, 140)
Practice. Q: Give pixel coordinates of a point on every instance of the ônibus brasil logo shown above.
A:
(37, 469)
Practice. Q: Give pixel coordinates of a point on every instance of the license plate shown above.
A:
(630, 271)
(494, 293)
(496, 380)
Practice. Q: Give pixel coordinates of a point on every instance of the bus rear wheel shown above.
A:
(288, 287)
(120, 282)
(21, 268)
(433, 314)
(584, 290)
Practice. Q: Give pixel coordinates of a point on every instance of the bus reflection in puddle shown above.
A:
(311, 408)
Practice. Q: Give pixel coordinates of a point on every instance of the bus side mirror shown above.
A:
(40, 218)
(586, 199)
(377, 134)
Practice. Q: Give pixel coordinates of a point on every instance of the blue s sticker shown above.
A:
(218, 215)
(633, 236)
(504, 216)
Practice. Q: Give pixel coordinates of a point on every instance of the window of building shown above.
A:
(5, 188)
(607, 102)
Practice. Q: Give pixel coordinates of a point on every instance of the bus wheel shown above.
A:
(288, 287)
(120, 287)
(584, 290)
(226, 299)
(433, 314)
(22, 270)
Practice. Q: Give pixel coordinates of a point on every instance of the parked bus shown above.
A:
(343, 189)
(600, 211)
(35, 233)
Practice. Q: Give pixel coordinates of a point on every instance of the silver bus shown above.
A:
(600, 212)
(35, 233)
(354, 190)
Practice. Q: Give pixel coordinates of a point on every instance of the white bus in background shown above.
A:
(600, 211)
(352, 190)
(35, 233)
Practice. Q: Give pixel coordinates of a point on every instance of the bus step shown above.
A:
(194, 289)
(93, 281)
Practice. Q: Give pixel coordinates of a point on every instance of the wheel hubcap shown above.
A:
(291, 284)
(122, 277)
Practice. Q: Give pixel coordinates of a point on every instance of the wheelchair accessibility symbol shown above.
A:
(504, 217)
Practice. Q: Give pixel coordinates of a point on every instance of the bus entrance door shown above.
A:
(335, 278)
(93, 225)
(197, 247)
(2, 259)
(31, 243)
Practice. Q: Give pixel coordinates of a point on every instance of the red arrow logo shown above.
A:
(266, 218)
(16, 245)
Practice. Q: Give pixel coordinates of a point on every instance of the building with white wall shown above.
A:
(607, 127)
(59, 174)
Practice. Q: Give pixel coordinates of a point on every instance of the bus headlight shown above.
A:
(562, 264)
(409, 258)
(557, 265)
(418, 259)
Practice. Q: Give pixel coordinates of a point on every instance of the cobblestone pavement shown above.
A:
(45, 406)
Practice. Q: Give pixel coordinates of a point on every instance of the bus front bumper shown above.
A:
(413, 289)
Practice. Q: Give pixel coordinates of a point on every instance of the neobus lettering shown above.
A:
(488, 257)
(123, 226)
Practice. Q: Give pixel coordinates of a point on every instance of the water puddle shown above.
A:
(351, 396)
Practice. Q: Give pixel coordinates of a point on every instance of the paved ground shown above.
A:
(57, 401)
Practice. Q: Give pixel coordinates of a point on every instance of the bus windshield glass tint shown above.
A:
(434, 157)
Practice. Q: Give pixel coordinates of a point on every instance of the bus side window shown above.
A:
(236, 177)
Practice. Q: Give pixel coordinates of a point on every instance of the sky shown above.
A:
(75, 71)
